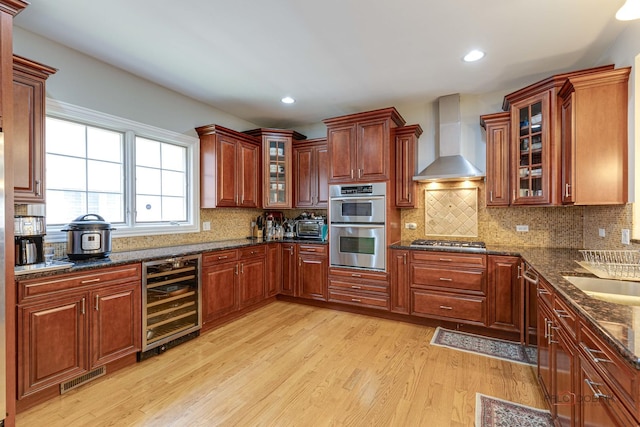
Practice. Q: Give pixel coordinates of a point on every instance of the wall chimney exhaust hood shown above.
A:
(450, 165)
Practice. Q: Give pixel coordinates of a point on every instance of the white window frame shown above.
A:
(131, 129)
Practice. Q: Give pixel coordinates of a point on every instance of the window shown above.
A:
(142, 180)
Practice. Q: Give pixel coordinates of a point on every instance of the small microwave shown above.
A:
(309, 228)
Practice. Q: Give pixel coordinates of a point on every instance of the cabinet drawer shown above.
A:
(359, 298)
(449, 258)
(454, 307)
(312, 249)
(466, 280)
(358, 285)
(566, 317)
(622, 377)
(28, 289)
(253, 251)
(219, 256)
(359, 274)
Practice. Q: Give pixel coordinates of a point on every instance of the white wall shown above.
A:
(84, 81)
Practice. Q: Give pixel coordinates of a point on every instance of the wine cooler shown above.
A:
(171, 300)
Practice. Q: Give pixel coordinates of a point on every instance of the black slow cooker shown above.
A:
(88, 236)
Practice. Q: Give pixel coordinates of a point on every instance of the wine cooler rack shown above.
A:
(171, 299)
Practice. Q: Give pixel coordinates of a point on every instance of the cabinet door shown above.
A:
(305, 182)
(115, 323)
(274, 269)
(312, 277)
(321, 168)
(277, 172)
(400, 297)
(227, 171)
(544, 350)
(289, 256)
(568, 148)
(505, 294)
(219, 290)
(248, 175)
(372, 150)
(532, 171)
(405, 168)
(52, 347)
(252, 281)
(564, 370)
(28, 138)
(498, 138)
(341, 143)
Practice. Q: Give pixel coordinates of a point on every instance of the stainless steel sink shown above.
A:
(617, 291)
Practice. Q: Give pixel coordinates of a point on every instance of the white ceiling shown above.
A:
(334, 56)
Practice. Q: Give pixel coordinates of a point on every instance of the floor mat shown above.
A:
(494, 412)
(492, 347)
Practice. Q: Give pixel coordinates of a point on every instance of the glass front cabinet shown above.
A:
(531, 158)
(277, 169)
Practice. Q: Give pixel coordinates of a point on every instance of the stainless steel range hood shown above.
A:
(451, 164)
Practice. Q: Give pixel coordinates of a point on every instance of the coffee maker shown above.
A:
(29, 232)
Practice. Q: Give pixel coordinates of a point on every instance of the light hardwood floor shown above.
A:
(288, 364)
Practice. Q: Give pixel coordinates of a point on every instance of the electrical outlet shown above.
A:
(522, 228)
(601, 232)
(206, 226)
(411, 225)
(626, 236)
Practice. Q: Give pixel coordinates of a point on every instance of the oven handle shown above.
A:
(342, 225)
(358, 198)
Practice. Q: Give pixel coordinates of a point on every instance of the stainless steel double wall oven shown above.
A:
(357, 220)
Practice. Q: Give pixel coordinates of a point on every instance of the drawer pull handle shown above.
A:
(223, 257)
(309, 250)
(83, 308)
(356, 300)
(97, 302)
(542, 291)
(446, 279)
(561, 313)
(84, 282)
(356, 275)
(446, 307)
(596, 392)
(530, 277)
(594, 358)
(356, 287)
(446, 259)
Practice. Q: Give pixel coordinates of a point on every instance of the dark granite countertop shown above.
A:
(128, 257)
(617, 324)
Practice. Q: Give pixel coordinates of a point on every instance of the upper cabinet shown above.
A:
(549, 141)
(311, 182)
(406, 144)
(229, 168)
(498, 135)
(28, 135)
(277, 170)
(594, 138)
(360, 146)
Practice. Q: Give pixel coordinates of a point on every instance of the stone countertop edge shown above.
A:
(612, 322)
(128, 257)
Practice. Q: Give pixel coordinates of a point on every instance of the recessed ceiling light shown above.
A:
(474, 55)
(288, 100)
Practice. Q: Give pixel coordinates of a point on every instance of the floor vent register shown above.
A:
(82, 379)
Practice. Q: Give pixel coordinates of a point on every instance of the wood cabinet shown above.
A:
(498, 137)
(311, 182)
(277, 166)
(232, 280)
(229, 168)
(449, 286)
(406, 144)
(289, 262)
(72, 323)
(360, 288)
(29, 79)
(274, 269)
(360, 146)
(505, 294)
(536, 167)
(399, 284)
(594, 138)
(312, 271)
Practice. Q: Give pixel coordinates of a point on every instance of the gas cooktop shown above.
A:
(457, 244)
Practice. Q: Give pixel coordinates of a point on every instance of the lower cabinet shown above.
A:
(361, 288)
(312, 270)
(71, 323)
(274, 269)
(505, 294)
(289, 254)
(251, 275)
(400, 300)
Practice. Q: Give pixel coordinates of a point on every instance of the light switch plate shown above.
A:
(206, 226)
(626, 236)
(411, 225)
(601, 232)
(522, 228)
